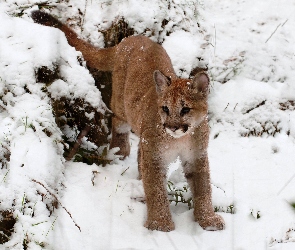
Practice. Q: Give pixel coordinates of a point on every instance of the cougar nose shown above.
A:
(184, 127)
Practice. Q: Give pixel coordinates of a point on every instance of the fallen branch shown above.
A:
(57, 200)
(78, 142)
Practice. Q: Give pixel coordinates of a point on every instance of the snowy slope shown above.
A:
(249, 48)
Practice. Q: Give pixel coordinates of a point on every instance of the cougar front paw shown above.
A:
(165, 226)
(212, 223)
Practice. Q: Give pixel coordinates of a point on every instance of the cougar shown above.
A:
(168, 114)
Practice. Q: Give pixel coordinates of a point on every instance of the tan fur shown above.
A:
(145, 86)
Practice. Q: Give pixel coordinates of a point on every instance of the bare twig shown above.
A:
(286, 184)
(83, 17)
(78, 142)
(125, 171)
(276, 30)
(55, 197)
(273, 32)
(285, 22)
(214, 41)
(226, 107)
(139, 199)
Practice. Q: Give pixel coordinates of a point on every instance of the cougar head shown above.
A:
(182, 103)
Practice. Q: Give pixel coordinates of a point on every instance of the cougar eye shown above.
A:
(184, 111)
(165, 109)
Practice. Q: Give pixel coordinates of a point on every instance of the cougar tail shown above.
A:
(101, 59)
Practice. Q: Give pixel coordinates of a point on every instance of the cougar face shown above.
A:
(182, 103)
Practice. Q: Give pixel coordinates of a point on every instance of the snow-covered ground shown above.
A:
(250, 52)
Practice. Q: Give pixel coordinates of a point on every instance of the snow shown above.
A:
(249, 49)
(182, 43)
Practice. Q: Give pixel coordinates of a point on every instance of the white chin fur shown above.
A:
(177, 134)
(211, 228)
(124, 128)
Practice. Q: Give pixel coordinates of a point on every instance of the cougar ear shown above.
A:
(161, 81)
(201, 82)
